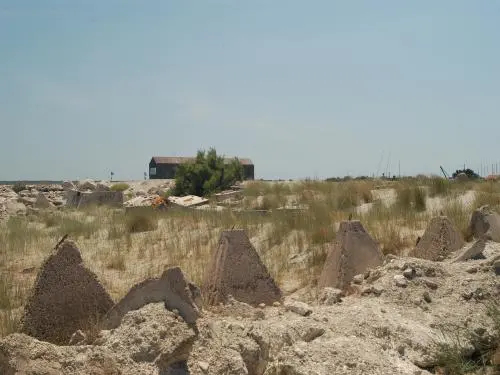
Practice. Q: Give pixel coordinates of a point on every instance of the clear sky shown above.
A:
(303, 88)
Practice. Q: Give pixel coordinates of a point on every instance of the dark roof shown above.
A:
(184, 159)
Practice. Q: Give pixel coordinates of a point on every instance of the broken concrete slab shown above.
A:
(485, 223)
(172, 288)
(188, 200)
(78, 199)
(471, 252)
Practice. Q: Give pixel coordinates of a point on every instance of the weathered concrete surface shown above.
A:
(66, 297)
(485, 223)
(172, 288)
(237, 270)
(441, 238)
(353, 252)
(78, 199)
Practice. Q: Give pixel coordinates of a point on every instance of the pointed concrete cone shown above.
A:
(236, 269)
(440, 239)
(67, 297)
(353, 252)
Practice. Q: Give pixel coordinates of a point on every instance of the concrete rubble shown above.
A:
(485, 223)
(391, 326)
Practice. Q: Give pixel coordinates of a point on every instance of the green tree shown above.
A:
(207, 174)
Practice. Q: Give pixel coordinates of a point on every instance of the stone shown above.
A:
(203, 366)
(496, 267)
(330, 296)
(66, 297)
(427, 297)
(400, 281)
(473, 251)
(353, 252)
(358, 279)
(472, 269)
(298, 307)
(430, 284)
(409, 273)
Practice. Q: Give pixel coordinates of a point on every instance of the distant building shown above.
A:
(164, 167)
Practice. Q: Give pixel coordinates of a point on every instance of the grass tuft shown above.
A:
(121, 186)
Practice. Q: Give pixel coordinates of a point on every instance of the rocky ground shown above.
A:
(409, 316)
(389, 323)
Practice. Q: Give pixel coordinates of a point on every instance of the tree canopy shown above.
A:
(207, 174)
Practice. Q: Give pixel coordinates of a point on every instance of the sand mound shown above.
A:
(485, 223)
(237, 270)
(172, 288)
(352, 253)
(66, 297)
(439, 240)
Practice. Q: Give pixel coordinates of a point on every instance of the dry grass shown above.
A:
(123, 249)
(121, 186)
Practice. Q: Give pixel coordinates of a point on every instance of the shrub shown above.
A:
(404, 197)
(207, 174)
(411, 197)
(439, 186)
(419, 199)
(141, 222)
(19, 186)
(121, 186)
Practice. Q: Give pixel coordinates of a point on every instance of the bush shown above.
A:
(412, 197)
(420, 199)
(207, 174)
(121, 186)
(141, 222)
(439, 186)
(18, 187)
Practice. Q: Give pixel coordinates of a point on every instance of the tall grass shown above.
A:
(459, 215)
(439, 187)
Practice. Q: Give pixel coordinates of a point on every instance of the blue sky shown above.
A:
(303, 88)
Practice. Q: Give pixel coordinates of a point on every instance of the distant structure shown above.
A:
(164, 167)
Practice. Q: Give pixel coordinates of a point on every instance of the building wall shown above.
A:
(163, 171)
(248, 172)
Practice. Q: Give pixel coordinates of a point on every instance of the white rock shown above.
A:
(358, 279)
(330, 296)
(401, 281)
(297, 307)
